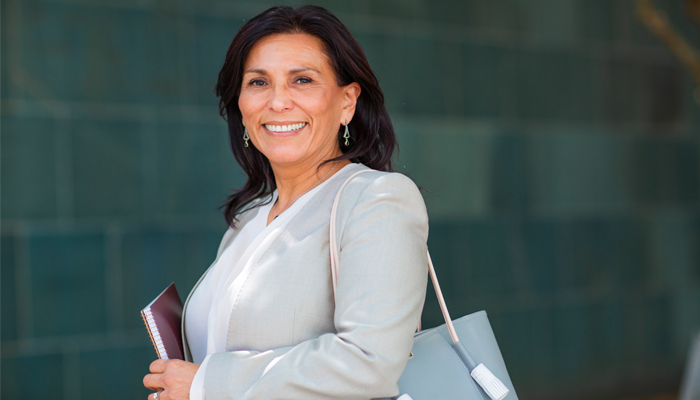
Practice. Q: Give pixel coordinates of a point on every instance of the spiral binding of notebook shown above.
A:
(163, 319)
(154, 333)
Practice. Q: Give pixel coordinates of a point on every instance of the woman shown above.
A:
(304, 112)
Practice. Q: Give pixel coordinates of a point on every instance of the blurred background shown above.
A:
(557, 142)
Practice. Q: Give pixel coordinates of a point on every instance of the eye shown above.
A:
(303, 80)
(256, 82)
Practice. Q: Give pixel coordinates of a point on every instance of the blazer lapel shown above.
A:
(228, 238)
(313, 216)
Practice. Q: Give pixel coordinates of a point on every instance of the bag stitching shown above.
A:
(424, 335)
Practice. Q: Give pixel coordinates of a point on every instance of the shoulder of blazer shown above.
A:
(378, 183)
(316, 213)
(368, 188)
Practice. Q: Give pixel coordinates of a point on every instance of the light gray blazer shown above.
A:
(289, 338)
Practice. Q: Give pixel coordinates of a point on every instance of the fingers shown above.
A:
(174, 375)
(158, 366)
(153, 382)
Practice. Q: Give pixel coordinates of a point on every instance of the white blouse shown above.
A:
(209, 309)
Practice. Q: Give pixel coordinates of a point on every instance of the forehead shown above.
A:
(292, 50)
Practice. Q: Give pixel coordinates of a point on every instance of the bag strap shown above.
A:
(335, 260)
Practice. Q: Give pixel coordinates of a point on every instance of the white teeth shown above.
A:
(285, 128)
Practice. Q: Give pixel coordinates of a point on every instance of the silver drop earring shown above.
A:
(346, 136)
(245, 136)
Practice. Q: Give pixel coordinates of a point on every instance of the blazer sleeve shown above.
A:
(380, 293)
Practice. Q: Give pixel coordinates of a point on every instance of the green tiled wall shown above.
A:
(106, 171)
(556, 142)
(98, 376)
(29, 145)
(196, 168)
(67, 284)
(9, 294)
(16, 373)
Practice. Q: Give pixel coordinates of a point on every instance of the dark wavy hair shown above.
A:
(373, 139)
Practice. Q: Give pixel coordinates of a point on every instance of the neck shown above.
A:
(293, 182)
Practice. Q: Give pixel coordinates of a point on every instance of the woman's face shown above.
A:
(291, 103)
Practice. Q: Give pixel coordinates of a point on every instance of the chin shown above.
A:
(283, 156)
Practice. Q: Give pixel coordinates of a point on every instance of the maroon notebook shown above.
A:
(162, 318)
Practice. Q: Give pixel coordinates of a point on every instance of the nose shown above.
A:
(280, 100)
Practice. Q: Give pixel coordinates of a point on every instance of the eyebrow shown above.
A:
(297, 70)
(293, 71)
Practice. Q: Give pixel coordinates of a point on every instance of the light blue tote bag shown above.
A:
(459, 360)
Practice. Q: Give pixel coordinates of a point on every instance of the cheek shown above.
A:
(320, 107)
(243, 107)
(248, 105)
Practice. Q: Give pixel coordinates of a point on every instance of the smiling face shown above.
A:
(291, 103)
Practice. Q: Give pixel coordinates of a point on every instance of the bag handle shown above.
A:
(335, 258)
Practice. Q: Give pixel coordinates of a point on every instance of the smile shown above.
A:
(285, 128)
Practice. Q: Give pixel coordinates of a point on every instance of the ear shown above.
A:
(350, 92)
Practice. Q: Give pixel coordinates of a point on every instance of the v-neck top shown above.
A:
(210, 306)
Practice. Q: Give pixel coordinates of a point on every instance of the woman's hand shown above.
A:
(172, 378)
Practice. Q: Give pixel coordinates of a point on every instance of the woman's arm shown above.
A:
(382, 279)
